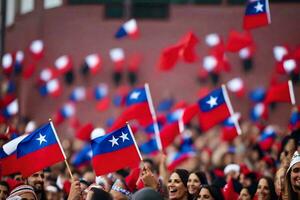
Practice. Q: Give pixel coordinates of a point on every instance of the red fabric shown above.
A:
(58, 118)
(189, 113)
(229, 134)
(13, 183)
(278, 93)
(237, 41)
(28, 71)
(134, 62)
(103, 104)
(255, 21)
(46, 157)
(140, 112)
(189, 43)
(84, 133)
(228, 191)
(168, 134)
(209, 119)
(113, 161)
(132, 178)
(169, 57)
(9, 165)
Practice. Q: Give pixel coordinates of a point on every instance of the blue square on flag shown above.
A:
(212, 101)
(138, 95)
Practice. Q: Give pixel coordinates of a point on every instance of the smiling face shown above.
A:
(263, 190)
(37, 181)
(295, 177)
(176, 188)
(193, 184)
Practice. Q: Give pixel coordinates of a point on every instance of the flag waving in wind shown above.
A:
(213, 109)
(40, 149)
(115, 151)
(257, 14)
(137, 108)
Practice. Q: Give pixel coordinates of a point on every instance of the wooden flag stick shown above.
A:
(227, 100)
(135, 144)
(69, 169)
(155, 124)
(61, 148)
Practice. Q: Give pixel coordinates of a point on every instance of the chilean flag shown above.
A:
(267, 138)
(36, 49)
(8, 156)
(115, 151)
(213, 109)
(52, 88)
(40, 149)
(63, 64)
(93, 63)
(137, 109)
(129, 28)
(257, 14)
(7, 63)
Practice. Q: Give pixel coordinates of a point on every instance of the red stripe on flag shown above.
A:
(253, 21)
(111, 162)
(40, 159)
(9, 165)
(213, 117)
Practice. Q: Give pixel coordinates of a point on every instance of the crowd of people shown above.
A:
(219, 170)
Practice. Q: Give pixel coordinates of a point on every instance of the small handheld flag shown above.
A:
(257, 14)
(115, 151)
(34, 150)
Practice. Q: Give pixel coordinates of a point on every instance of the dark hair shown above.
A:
(100, 194)
(4, 183)
(183, 174)
(215, 191)
(270, 183)
(202, 177)
(291, 193)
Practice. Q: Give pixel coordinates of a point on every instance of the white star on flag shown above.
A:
(124, 136)
(114, 141)
(212, 101)
(41, 138)
(259, 7)
(135, 95)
